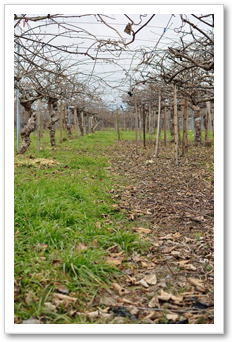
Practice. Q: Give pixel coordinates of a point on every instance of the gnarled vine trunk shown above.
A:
(172, 124)
(185, 127)
(165, 126)
(197, 125)
(158, 127)
(207, 118)
(80, 120)
(175, 124)
(52, 108)
(28, 128)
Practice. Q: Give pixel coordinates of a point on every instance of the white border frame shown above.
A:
(218, 326)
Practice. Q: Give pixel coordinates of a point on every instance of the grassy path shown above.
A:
(65, 222)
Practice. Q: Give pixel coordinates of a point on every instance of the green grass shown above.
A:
(130, 135)
(57, 208)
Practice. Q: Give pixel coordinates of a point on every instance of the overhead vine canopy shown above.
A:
(112, 53)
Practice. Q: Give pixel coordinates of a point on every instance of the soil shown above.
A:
(172, 209)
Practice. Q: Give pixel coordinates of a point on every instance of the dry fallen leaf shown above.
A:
(137, 258)
(176, 253)
(98, 314)
(197, 283)
(185, 265)
(143, 283)
(119, 289)
(116, 207)
(131, 217)
(170, 236)
(81, 247)
(62, 289)
(94, 243)
(59, 298)
(166, 237)
(31, 321)
(165, 296)
(50, 307)
(114, 261)
(148, 212)
(131, 280)
(144, 264)
(56, 261)
(113, 249)
(168, 249)
(93, 314)
(150, 161)
(196, 218)
(126, 301)
(41, 246)
(98, 225)
(152, 316)
(133, 310)
(16, 289)
(162, 284)
(177, 299)
(150, 279)
(187, 239)
(154, 302)
(142, 230)
(30, 297)
(118, 320)
(172, 317)
(107, 301)
(189, 267)
(182, 262)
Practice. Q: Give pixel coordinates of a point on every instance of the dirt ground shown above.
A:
(172, 209)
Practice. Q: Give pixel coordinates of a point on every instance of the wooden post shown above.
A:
(179, 133)
(91, 124)
(80, 122)
(124, 120)
(172, 123)
(38, 129)
(197, 124)
(52, 107)
(144, 126)
(117, 125)
(136, 123)
(175, 122)
(61, 115)
(150, 122)
(185, 127)
(208, 121)
(83, 122)
(66, 120)
(75, 120)
(165, 125)
(140, 121)
(158, 127)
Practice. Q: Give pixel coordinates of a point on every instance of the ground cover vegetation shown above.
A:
(65, 221)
